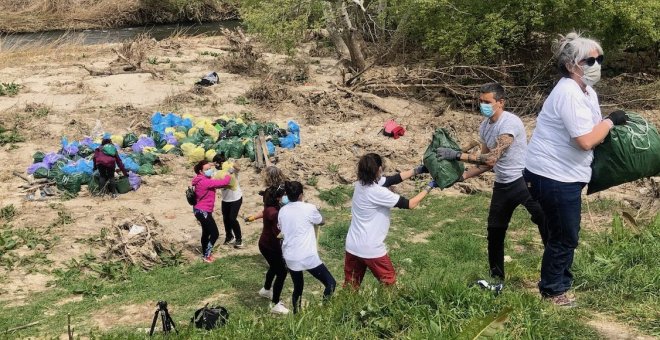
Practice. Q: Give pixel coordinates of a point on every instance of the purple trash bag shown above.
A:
(32, 168)
(142, 143)
(135, 180)
(52, 158)
(171, 140)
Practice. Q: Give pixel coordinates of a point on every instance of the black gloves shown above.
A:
(618, 117)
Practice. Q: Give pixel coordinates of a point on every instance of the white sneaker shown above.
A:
(268, 294)
(279, 309)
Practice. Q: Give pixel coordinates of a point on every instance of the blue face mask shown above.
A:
(209, 172)
(486, 110)
(285, 200)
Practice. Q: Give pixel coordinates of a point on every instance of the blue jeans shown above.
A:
(562, 205)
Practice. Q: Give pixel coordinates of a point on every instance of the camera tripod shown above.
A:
(166, 319)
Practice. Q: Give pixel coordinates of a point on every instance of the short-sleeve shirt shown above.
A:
(567, 113)
(370, 220)
(296, 221)
(511, 163)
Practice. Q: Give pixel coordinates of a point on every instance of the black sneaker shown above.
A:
(238, 244)
(228, 241)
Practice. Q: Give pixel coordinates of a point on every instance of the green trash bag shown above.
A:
(123, 185)
(159, 141)
(40, 173)
(72, 183)
(146, 169)
(56, 173)
(129, 139)
(85, 151)
(94, 186)
(38, 156)
(234, 148)
(249, 151)
(444, 172)
(628, 153)
(252, 130)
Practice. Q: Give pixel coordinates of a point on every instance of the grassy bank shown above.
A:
(437, 249)
(44, 15)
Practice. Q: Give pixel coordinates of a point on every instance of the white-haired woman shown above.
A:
(559, 156)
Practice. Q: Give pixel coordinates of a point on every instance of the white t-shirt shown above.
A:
(370, 220)
(296, 221)
(229, 195)
(510, 165)
(567, 113)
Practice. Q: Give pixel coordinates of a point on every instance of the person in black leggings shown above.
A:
(296, 220)
(232, 199)
(269, 246)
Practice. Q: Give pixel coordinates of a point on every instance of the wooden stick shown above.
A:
(23, 327)
(19, 175)
(258, 152)
(69, 330)
(262, 142)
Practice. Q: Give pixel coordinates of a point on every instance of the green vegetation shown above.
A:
(241, 100)
(436, 254)
(10, 136)
(9, 89)
(337, 195)
(312, 181)
(7, 213)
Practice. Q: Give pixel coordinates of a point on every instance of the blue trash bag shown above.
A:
(107, 135)
(156, 119)
(52, 158)
(129, 163)
(135, 180)
(187, 123)
(80, 166)
(271, 148)
(69, 149)
(176, 120)
(288, 141)
(293, 127)
(34, 167)
(142, 143)
(88, 142)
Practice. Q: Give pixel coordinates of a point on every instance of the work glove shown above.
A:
(618, 117)
(249, 219)
(421, 170)
(447, 153)
(431, 186)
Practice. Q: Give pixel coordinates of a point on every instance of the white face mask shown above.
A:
(591, 74)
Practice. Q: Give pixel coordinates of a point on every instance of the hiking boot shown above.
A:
(228, 241)
(266, 293)
(279, 309)
(561, 300)
(238, 244)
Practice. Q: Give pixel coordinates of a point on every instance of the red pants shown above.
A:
(355, 267)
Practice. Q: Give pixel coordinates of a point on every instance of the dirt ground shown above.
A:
(336, 129)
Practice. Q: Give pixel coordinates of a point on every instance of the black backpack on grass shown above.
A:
(210, 317)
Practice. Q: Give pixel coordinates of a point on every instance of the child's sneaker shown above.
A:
(268, 294)
(209, 259)
(279, 309)
(238, 244)
(496, 288)
(228, 241)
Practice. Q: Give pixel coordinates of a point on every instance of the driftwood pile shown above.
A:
(139, 241)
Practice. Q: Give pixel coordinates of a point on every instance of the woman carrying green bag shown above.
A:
(106, 160)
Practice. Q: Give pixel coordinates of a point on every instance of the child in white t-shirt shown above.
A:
(296, 221)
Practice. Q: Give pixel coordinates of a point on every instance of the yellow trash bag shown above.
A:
(239, 120)
(188, 116)
(193, 130)
(210, 154)
(210, 130)
(168, 147)
(196, 154)
(149, 149)
(187, 148)
(170, 130)
(117, 139)
(224, 117)
(179, 135)
(220, 174)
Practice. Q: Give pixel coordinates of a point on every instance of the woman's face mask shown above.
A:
(486, 109)
(284, 201)
(209, 172)
(591, 74)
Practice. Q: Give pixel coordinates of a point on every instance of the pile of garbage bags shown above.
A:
(191, 137)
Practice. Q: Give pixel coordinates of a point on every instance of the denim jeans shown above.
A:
(562, 205)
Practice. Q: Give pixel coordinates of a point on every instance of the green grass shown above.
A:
(9, 89)
(616, 271)
(337, 195)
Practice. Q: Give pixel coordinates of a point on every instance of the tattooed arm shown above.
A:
(490, 158)
(479, 169)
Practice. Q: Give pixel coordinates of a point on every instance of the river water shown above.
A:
(19, 41)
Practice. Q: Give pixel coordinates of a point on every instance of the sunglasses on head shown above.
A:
(591, 60)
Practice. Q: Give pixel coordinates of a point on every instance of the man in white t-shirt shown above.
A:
(503, 145)
(370, 222)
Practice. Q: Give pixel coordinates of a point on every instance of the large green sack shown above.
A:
(235, 148)
(628, 153)
(146, 169)
(444, 172)
(123, 185)
(94, 186)
(40, 173)
(249, 150)
(38, 157)
(129, 139)
(72, 183)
